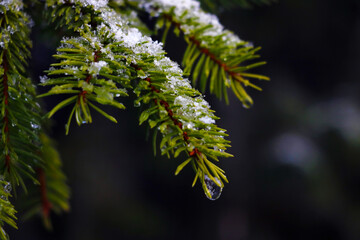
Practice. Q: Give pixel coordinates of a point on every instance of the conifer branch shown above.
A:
(21, 124)
(213, 55)
(193, 152)
(46, 205)
(128, 50)
(20, 119)
(194, 134)
(53, 191)
(229, 70)
(87, 74)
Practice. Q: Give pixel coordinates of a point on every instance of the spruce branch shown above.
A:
(213, 55)
(20, 118)
(174, 101)
(88, 76)
(178, 137)
(54, 182)
(52, 193)
(21, 123)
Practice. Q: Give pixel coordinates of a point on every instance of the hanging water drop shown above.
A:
(212, 187)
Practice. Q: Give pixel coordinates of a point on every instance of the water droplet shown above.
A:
(214, 190)
(137, 104)
(82, 116)
(34, 125)
(247, 102)
(190, 125)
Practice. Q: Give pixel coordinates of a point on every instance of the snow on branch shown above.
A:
(214, 54)
(177, 110)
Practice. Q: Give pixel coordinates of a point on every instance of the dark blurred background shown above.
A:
(296, 170)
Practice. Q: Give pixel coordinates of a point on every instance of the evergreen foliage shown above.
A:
(214, 55)
(7, 211)
(108, 56)
(23, 155)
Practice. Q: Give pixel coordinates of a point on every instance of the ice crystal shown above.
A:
(43, 79)
(193, 109)
(5, 35)
(14, 5)
(175, 83)
(207, 120)
(95, 67)
(131, 37)
(8, 187)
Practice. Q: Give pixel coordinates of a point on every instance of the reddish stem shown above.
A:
(46, 205)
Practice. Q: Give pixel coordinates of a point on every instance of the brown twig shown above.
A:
(45, 203)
